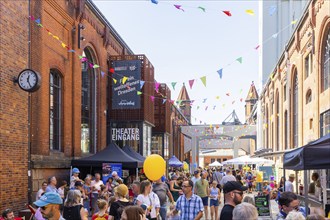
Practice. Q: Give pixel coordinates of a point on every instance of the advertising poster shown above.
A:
(124, 95)
(262, 204)
(108, 168)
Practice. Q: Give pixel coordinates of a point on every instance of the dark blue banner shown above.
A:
(108, 168)
(124, 96)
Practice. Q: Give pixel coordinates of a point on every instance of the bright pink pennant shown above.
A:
(179, 7)
(152, 98)
(227, 13)
(157, 86)
(191, 83)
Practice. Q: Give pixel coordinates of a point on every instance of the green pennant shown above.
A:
(139, 93)
(240, 59)
(173, 85)
(204, 80)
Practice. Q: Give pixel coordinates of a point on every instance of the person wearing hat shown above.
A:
(195, 178)
(49, 205)
(75, 177)
(233, 191)
(118, 206)
(289, 183)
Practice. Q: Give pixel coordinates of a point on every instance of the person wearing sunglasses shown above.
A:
(288, 202)
(233, 191)
(49, 204)
(190, 205)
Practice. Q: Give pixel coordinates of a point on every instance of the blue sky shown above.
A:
(191, 44)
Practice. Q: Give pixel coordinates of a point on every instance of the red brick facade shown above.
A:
(14, 25)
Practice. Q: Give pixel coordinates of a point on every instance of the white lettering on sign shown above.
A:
(124, 134)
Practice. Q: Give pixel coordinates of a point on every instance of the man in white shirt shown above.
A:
(289, 183)
(195, 178)
(96, 188)
(41, 190)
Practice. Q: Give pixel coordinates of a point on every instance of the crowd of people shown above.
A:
(180, 196)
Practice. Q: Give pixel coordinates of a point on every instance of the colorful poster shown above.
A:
(126, 84)
(108, 168)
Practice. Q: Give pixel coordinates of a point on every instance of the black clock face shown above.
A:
(28, 80)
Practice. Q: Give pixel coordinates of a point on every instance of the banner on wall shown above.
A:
(108, 168)
(124, 95)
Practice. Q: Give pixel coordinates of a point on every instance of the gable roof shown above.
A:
(252, 95)
(183, 95)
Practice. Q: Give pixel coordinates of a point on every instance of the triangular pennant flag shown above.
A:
(220, 73)
(191, 83)
(102, 73)
(63, 45)
(114, 80)
(172, 102)
(240, 59)
(293, 22)
(227, 13)
(197, 107)
(217, 97)
(179, 102)
(139, 93)
(233, 102)
(274, 35)
(214, 107)
(32, 18)
(141, 83)
(157, 86)
(257, 47)
(241, 91)
(203, 79)
(203, 9)
(56, 37)
(179, 7)
(96, 66)
(124, 79)
(154, 1)
(37, 21)
(164, 100)
(90, 65)
(272, 10)
(241, 99)
(71, 51)
(112, 70)
(228, 94)
(152, 98)
(204, 100)
(173, 85)
(83, 59)
(250, 12)
(206, 108)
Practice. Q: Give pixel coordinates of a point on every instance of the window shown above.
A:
(277, 116)
(325, 73)
(212, 160)
(286, 130)
(284, 92)
(308, 65)
(88, 105)
(325, 123)
(267, 125)
(308, 96)
(55, 106)
(294, 107)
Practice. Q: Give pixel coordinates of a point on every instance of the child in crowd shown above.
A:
(170, 215)
(102, 213)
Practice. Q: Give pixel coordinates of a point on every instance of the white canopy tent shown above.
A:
(215, 164)
(248, 160)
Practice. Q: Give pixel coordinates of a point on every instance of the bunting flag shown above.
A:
(204, 100)
(272, 9)
(220, 73)
(249, 12)
(124, 79)
(228, 94)
(206, 108)
(164, 100)
(293, 22)
(179, 7)
(71, 51)
(241, 99)
(240, 59)
(91, 65)
(197, 107)
(152, 98)
(179, 102)
(232, 102)
(257, 47)
(139, 93)
(83, 59)
(214, 107)
(241, 91)
(112, 70)
(114, 80)
(157, 86)
(154, 1)
(203, 79)
(274, 35)
(63, 45)
(227, 13)
(217, 97)
(201, 8)
(191, 83)
(173, 85)
(95, 66)
(37, 21)
(102, 74)
(56, 37)
(141, 83)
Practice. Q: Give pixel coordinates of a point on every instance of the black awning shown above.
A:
(111, 154)
(129, 150)
(315, 155)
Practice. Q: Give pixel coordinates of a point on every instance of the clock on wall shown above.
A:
(29, 80)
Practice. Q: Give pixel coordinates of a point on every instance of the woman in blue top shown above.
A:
(214, 200)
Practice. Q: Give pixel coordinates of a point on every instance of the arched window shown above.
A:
(267, 128)
(286, 130)
(308, 96)
(294, 107)
(88, 104)
(277, 125)
(325, 73)
(55, 106)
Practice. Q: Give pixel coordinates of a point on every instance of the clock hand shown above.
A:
(28, 80)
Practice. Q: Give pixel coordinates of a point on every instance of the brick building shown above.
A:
(14, 57)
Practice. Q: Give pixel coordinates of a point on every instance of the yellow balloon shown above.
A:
(154, 167)
(185, 166)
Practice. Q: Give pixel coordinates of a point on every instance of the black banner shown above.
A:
(262, 204)
(124, 96)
